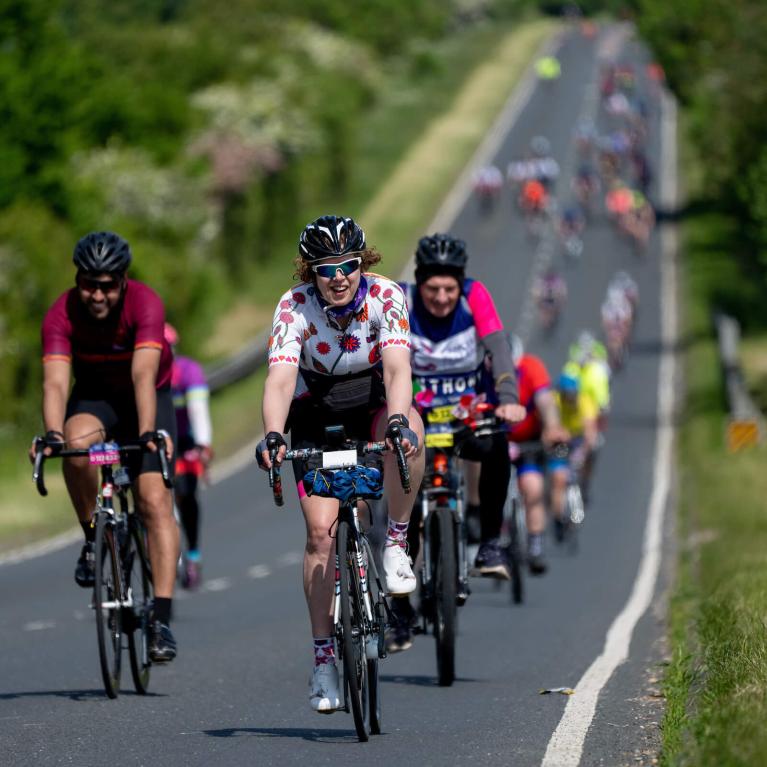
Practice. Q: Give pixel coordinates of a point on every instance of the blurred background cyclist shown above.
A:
(195, 435)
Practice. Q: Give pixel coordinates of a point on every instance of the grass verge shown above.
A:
(716, 683)
(417, 141)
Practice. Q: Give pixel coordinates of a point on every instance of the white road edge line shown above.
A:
(565, 748)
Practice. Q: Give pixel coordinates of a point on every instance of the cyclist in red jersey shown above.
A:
(541, 423)
(107, 333)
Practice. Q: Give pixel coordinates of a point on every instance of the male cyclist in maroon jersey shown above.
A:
(107, 332)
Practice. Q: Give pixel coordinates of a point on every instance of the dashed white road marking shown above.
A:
(216, 584)
(39, 625)
(259, 571)
(291, 558)
(565, 747)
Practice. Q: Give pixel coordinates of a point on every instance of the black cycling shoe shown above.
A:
(85, 571)
(162, 644)
(537, 564)
(492, 561)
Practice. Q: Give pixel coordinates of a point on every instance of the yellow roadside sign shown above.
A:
(742, 434)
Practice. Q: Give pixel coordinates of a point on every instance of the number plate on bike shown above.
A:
(442, 414)
(103, 453)
(439, 436)
(337, 459)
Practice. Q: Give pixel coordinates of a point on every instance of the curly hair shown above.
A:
(304, 273)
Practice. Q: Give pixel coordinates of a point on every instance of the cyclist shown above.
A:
(550, 294)
(339, 353)
(548, 68)
(195, 435)
(616, 322)
(488, 185)
(572, 222)
(541, 423)
(459, 348)
(107, 332)
(578, 414)
(588, 363)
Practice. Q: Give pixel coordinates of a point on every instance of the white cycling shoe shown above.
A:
(398, 573)
(324, 696)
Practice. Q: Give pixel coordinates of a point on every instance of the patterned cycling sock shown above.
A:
(396, 534)
(324, 650)
(535, 544)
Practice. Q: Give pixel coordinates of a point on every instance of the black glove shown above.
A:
(54, 440)
(399, 426)
(272, 441)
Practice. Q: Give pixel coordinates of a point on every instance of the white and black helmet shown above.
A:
(102, 252)
(330, 236)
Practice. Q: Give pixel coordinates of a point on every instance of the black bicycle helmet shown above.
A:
(440, 254)
(102, 252)
(330, 236)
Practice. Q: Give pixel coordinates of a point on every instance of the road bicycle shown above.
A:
(361, 611)
(444, 572)
(123, 593)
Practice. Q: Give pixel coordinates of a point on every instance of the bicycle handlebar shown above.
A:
(129, 447)
(363, 448)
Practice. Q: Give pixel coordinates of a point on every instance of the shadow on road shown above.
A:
(420, 680)
(314, 736)
(78, 695)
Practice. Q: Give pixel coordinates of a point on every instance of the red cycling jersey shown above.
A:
(532, 377)
(101, 352)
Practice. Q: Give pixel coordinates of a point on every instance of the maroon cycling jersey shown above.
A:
(101, 351)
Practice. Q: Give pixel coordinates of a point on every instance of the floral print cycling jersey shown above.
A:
(303, 334)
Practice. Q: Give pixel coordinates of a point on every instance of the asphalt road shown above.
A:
(236, 695)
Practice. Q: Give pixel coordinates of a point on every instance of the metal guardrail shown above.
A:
(240, 365)
(746, 424)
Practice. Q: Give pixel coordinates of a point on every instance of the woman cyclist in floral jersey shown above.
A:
(339, 353)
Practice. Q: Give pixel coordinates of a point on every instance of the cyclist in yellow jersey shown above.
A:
(578, 414)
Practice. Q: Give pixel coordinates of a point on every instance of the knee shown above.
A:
(318, 541)
(156, 506)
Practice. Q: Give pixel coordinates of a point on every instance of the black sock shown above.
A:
(89, 530)
(161, 611)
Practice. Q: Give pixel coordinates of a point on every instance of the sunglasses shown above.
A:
(329, 271)
(89, 285)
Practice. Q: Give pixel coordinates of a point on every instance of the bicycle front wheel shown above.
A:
(352, 631)
(445, 592)
(377, 634)
(136, 617)
(107, 597)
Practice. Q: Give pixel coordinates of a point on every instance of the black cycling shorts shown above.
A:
(120, 420)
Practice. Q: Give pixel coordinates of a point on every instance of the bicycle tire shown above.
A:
(139, 580)
(107, 592)
(379, 613)
(445, 593)
(352, 636)
(516, 557)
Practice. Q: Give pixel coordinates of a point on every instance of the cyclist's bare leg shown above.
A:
(531, 488)
(82, 479)
(401, 504)
(320, 515)
(156, 505)
(558, 491)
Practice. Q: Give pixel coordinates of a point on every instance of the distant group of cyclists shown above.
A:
(348, 347)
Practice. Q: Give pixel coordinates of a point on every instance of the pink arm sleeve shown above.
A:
(486, 318)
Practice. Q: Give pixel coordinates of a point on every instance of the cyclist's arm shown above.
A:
(144, 369)
(398, 380)
(278, 394)
(56, 375)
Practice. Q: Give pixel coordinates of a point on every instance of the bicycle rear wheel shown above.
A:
(516, 552)
(140, 588)
(445, 591)
(107, 596)
(352, 632)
